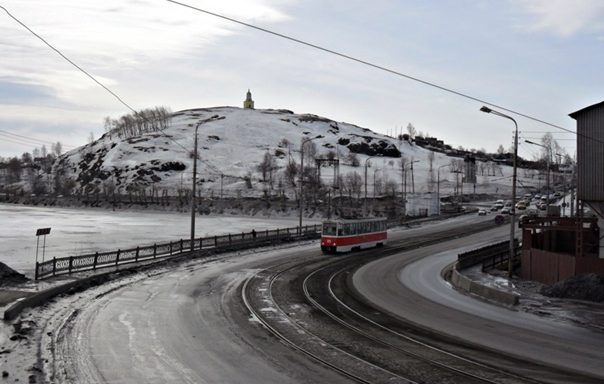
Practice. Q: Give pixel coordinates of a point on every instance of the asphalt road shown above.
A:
(410, 287)
(184, 326)
(188, 326)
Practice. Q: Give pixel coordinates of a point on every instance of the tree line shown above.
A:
(138, 123)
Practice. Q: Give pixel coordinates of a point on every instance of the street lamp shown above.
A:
(374, 185)
(193, 206)
(404, 186)
(548, 160)
(301, 178)
(365, 201)
(513, 210)
(438, 185)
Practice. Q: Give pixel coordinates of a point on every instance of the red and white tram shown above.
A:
(348, 235)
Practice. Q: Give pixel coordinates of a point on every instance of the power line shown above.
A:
(119, 99)
(32, 139)
(67, 59)
(376, 66)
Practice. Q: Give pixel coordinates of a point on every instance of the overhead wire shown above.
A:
(34, 140)
(118, 98)
(379, 67)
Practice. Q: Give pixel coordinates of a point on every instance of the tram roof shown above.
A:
(355, 220)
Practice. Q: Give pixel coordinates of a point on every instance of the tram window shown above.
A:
(329, 229)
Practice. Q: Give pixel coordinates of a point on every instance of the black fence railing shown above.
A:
(214, 244)
(489, 256)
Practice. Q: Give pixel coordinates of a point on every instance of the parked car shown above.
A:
(542, 206)
(495, 208)
(482, 212)
(505, 211)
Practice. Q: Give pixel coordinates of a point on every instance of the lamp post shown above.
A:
(365, 200)
(374, 185)
(513, 210)
(404, 186)
(302, 177)
(548, 160)
(438, 185)
(193, 205)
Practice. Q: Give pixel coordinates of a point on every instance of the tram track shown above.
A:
(315, 348)
(447, 366)
(308, 314)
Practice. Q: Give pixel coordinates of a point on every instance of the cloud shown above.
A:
(110, 37)
(563, 17)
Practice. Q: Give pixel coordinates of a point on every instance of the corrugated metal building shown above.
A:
(590, 156)
(590, 159)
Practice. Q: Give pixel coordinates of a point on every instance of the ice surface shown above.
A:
(81, 231)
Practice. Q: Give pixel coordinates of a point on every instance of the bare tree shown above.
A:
(411, 130)
(354, 184)
(290, 173)
(267, 166)
(353, 159)
(15, 170)
(57, 148)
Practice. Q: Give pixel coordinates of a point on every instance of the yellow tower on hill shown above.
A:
(248, 103)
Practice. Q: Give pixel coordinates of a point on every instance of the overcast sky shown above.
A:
(544, 58)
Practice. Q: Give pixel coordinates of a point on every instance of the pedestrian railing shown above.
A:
(201, 246)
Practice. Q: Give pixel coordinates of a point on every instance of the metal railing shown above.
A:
(201, 246)
(489, 256)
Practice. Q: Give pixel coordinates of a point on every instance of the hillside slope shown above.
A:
(232, 146)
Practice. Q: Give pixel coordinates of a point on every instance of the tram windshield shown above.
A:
(329, 229)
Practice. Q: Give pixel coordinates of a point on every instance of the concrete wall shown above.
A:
(463, 283)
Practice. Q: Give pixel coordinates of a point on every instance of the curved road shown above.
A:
(188, 325)
(183, 326)
(410, 287)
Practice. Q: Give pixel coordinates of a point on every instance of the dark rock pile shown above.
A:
(583, 287)
(9, 276)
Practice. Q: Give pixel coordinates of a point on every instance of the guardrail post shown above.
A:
(154, 250)
(136, 256)
(266, 234)
(229, 238)
(180, 250)
(117, 257)
(70, 263)
(200, 242)
(215, 241)
(170, 248)
(54, 266)
(96, 259)
(37, 266)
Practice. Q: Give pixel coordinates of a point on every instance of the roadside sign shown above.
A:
(42, 231)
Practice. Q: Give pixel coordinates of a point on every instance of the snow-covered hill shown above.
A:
(233, 145)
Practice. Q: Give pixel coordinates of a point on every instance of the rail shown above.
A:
(489, 256)
(202, 246)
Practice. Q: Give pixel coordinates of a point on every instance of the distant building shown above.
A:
(248, 103)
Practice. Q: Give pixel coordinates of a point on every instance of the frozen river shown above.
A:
(80, 231)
